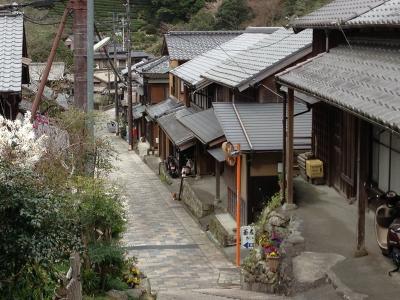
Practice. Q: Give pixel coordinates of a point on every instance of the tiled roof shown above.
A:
(158, 65)
(185, 45)
(385, 14)
(263, 59)
(56, 71)
(157, 110)
(262, 123)
(138, 110)
(336, 12)
(204, 125)
(11, 44)
(365, 80)
(192, 70)
(178, 133)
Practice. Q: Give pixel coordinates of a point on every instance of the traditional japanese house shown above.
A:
(153, 113)
(355, 81)
(101, 60)
(239, 80)
(176, 139)
(183, 46)
(152, 77)
(13, 71)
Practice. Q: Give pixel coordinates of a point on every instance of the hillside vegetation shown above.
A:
(151, 18)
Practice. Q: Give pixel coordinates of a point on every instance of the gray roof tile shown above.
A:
(336, 12)
(157, 110)
(192, 70)
(158, 65)
(263, 59)
(11, 44)
(263, 125)
(204, 125)
(385, 14)
(365, 80)
(138, 110)
(185, 45)
(178, 133)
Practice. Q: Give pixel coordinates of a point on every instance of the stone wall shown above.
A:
(195, 205)
(219, 232)
(256, 274)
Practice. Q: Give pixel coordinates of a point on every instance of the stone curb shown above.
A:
(343, 290)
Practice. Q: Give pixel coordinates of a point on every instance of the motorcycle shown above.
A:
(387, 227)
(172, 167)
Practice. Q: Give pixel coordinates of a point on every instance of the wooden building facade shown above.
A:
(356, 116)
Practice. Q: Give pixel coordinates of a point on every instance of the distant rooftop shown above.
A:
(159, 65)
(350, 13)
(185, 45)
(56, 71)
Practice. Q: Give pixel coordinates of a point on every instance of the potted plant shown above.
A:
(272, 252)
(273, 260)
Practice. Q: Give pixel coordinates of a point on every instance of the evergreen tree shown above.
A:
(232, 13)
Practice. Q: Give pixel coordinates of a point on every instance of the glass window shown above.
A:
(386, 160)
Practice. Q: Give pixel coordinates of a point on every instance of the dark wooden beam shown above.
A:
(362, 177)
(289, 144)
(217, 181)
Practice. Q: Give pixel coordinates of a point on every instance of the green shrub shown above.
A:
(90, 281)
(115, 283)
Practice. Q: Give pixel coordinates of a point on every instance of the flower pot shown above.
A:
(273, 263)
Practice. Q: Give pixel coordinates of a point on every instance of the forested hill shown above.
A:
(150, 18)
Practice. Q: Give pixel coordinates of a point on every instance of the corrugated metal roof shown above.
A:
(157, 110)
(56, 72)
(11, 44)
(185, 45)
(386, 14)
(262, 122)
(138, 110)
(204, 125)
(365, 80)
(336, 12)
(178, 133)
(263, 59)
(192, 70)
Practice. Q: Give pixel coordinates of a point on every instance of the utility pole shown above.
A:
(128, 49)
(89, 66)
(80, 53)
(116, 98)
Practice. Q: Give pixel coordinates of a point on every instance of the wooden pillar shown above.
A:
(217, 181)
(289, 149)
(362, 176)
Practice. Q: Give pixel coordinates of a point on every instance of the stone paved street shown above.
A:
(172, 249)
